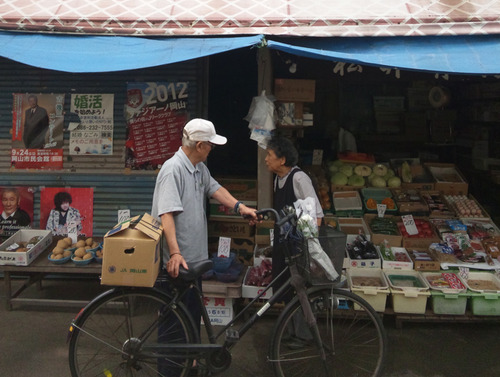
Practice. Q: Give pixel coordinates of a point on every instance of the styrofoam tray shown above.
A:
(347, 200)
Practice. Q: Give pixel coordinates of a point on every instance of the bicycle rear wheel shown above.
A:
(109, 335)
(353, 338)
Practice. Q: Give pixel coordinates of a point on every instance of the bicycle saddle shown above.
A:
(196, 269)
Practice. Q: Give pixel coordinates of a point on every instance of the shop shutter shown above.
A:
(114, 187)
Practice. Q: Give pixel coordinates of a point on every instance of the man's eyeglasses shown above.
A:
(212, 146)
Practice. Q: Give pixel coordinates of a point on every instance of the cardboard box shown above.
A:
(251, 291)
(424, 265)
(230, 227)
(438, 207)
(24, 258)
(448, 179)
(217, 209)
(241, 188)
(393, 240)
(131, 252)
(335, 188)
(397, 264)
(294, 90)
(352, 227)
(220, 310)
(410, 202)
(420, 243)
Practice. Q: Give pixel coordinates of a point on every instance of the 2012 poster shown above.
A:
(37, 131)
(156, 113)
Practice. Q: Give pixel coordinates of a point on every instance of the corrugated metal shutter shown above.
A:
(114, 187)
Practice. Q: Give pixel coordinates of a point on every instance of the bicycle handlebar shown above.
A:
(279, 220)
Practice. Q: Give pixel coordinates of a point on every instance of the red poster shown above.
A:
(37, 131)
(156, 115)
(62, 208)
(16, 208)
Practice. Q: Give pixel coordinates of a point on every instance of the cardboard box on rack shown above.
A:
(377, 238)
(131, 252)
(429, 263)
(418, 242)
(402, 264)
(18, 258)
(217, 209)
(352, 227)
(448, 179)
(241, 188)
(294, 90)
(230, 227)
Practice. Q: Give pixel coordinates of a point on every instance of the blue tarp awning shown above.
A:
(465, 54)
(73, 53)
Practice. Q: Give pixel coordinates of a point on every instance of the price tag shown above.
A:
(224, 249)
(463, 272)
(123, 215)
(409, 224)
(73, 232)
(381, 209)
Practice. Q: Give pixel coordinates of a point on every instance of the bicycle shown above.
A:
(130, 331)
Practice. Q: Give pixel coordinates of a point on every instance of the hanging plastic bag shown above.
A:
(261, 119)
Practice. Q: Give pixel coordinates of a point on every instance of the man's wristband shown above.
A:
(171, 255)
(237, 207)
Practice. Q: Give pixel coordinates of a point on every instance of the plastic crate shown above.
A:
(449, 303)
(409, 291)
(484, 301)
(376, 296)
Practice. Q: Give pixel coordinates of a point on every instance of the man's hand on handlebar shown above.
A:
(249, 213)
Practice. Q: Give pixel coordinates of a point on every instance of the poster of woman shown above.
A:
(67, 210)
(16, 209)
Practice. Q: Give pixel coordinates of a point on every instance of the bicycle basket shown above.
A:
(333, 243)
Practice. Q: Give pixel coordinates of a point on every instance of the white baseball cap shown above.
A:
(202, 130)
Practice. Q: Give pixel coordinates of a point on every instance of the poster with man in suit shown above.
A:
(37, 131)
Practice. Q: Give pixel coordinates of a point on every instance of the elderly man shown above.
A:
(179, 200)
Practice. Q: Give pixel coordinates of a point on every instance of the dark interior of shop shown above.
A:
(462, 131)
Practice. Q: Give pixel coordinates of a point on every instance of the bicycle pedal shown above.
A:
(232, 335)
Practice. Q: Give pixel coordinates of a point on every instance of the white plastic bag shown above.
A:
(261, 113)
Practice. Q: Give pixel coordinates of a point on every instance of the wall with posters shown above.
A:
(114, 186)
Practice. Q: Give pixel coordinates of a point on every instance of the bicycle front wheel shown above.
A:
(110, 334)
(352, 334)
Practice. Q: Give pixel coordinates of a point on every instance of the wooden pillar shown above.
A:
(264, 177)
